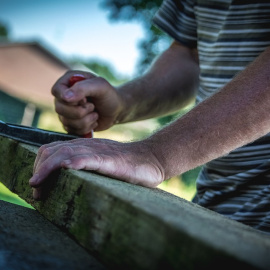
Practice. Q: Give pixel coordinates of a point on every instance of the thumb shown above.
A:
(92, 88)
(75, 95)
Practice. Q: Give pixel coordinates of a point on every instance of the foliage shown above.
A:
(101, 68)
(189, 177)
(8, 196)
(3, 31)
(140, 10)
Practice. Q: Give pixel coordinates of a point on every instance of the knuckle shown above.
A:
(66, 150)
(54, 90)
(65, 121)
(80, 113)
(103, 82)
(46, 151)
(42, 148)
(58, 109)
(90, 107)
(69, 72)
(94, 116)
(98, 159)
(95, 126)
(76, 125)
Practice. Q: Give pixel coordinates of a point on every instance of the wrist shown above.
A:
(158, 149)
(123, 109)
(171, 150)
(149, 169)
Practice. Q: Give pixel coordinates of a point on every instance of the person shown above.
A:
(220, 56)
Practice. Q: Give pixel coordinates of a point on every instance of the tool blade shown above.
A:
(30, 135)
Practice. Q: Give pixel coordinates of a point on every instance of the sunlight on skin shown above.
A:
(123, 133)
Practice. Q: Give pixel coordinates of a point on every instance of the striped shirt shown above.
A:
(229, 34)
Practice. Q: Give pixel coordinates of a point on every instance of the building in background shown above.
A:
(27, 73)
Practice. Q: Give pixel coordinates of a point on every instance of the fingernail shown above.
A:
(69, 94)
(83, 102)
(36, 194)
(34, 180)
(66, 163)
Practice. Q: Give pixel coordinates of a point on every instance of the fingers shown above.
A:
(130, 162)
(80, 126)
(93, 87)
(78, 120)
(83, 162)
(100, 163)
(47, 161)
(86, 96)
(41, 151)
(86, 102)
(50, 156)
(62, 84)
(73, 111)
(37, 193)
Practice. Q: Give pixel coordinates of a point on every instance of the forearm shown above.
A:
(176, 71)
(236, 115)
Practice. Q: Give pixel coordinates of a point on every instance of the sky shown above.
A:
(74, 28)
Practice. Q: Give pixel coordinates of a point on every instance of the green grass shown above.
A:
(8, 196)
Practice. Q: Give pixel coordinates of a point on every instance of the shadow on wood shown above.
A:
(132, 227)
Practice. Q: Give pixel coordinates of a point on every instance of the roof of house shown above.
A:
(28, 71)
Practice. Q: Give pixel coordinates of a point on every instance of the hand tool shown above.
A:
(37, 136)
(73, 79)
(30, 135)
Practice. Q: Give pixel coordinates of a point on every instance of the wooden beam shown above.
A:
(29, 241)
(132, 227)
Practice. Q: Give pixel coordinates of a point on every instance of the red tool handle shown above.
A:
(73, 79)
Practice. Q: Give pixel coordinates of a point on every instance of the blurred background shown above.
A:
(40, 40)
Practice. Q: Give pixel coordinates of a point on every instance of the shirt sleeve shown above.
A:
(177, 19)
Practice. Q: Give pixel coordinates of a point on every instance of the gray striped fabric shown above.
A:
(229, 35)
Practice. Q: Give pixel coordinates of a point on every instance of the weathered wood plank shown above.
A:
(131, 227)
(29, 241)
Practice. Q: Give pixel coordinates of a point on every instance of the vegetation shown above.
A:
(141, 11)
(8, 196)
(3, 31)
(101, 68)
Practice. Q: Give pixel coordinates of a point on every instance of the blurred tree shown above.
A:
(101, 68)
(104, 70)
(3, 31)
(140, 10)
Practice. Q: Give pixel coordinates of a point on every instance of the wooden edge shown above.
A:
(131, 227)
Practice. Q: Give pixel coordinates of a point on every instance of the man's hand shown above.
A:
(80, 117)
(131, 162)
